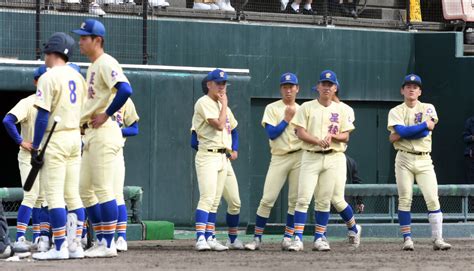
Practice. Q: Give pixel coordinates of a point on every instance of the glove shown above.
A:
(36, 161)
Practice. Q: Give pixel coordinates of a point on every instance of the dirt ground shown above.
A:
(374, 254)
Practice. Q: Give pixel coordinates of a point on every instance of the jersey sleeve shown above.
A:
(130, 115)
(20, 111)
(44, 93)
(301, 117)
(233, 122)
(347, 123)
(430, 112)
(112, 73)
(269, 117)
(208, 110)
(394, 118)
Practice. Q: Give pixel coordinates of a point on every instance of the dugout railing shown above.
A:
(133, 195)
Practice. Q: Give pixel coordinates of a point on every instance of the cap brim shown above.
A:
(327, 80)
(414, 83)
(288, 83)
(219, 80)
(81, 32)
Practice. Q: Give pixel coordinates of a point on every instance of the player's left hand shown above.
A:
(394, 137)
(232, 155)
(26, 145)
(99, 119)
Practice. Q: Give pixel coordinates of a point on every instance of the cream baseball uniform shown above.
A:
(211, 166)
(413, 160)
(25, 113)
(125, 117)
(61, 91)
(285, 161)
(101, 145)
(320, 171)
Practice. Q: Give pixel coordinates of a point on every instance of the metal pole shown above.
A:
(38, 29)
(145, 32)
(408, 22)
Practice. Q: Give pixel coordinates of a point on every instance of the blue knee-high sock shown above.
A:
(348, 217)
(290, 226)
(210, 225)
(58, 223)
(81, 216)
(300, 220)
(404, 218)
(322, 219)
(35, 218)
(23, 218)
(122, 221)
(201, 221)
(45, 225)
(109, 214)
(260, 223)
(233, 224)
(95, 217)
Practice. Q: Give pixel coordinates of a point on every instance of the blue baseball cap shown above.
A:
(217, 75)
(412, 79)
(328, 76)
(91, 27)
(60, 43)
(39, 71)
(288, 78)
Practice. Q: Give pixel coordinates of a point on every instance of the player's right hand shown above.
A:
(394, 137)
(36, 161)
(430, 123)
(26, 145)
(290, 111)
(223, 99)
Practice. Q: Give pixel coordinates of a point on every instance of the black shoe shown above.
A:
(309, 12)
(290, 10)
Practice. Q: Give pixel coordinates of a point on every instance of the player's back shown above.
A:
(63, 90)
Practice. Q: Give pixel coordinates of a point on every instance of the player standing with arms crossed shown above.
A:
(127, 119)
(102, 137)
(60, 93)
(285, 163)
(214, 122)
(324, 127)
(411, 124)
(24, 113)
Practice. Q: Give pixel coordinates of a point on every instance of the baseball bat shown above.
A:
(30, 180)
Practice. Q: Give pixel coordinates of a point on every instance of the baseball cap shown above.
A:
(39, 71)
(91, 27)
(288, 78)
(328, 76)
(412, 79)
(61, 43)
(217, 75)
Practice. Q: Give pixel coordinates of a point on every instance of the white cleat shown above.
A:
(201, 6)
(254, 245)
(53, 254)
(43, 244)
(159, 3)
(75, 249)
(201, 244)
(354, 238)
(286, 243)
(321, 244)
(229, 6)
(214, 6)
(222, 5)
(408, 244)
(236, 245)
(440, 244)
(95, 9)
(215, 245)
(101, 250)
(297, 245)
(121, 244)
(283, 5)
(84, 241)
(22, 245)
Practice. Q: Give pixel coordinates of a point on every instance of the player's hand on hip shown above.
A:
(234, 155)
(431, 125)
(26, 145)
(290, 111)
(222, 97)
(394, 137)
(99, 119)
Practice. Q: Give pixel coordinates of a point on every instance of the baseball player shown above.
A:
(324, 127)
(24, 113)
(103, 139)
(127, 119)
(410, 125)
(60, 92)
(285, 163)
(214, 122)
(231, 189)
